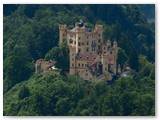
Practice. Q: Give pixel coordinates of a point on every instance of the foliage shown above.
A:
(59, 95)
(61, 56)
(121, 57)
(23, 92)
(133, 59)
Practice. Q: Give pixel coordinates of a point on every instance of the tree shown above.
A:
(125, 43)
(133, 59)
(145, 67)
(19, 65)
(61, 56)
(24, 92)
(121, 57)
(144, 105)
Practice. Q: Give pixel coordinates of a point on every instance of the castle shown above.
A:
(90, 57)
(46, 66)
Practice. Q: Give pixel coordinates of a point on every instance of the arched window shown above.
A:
(71, 41)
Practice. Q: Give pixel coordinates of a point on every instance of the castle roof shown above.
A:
(87, 57)
(87, 30)
(74, 29)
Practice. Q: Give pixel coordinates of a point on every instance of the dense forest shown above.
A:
(30, 32)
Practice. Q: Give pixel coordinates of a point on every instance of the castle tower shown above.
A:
(115, 45)
(105, 63)
(37, 66)
(112, 56)
(72, 69)
(62, 33)
(80, 40)
(99, 29)
(108, 43)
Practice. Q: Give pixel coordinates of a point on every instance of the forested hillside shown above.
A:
(30, 32)
(149, 11)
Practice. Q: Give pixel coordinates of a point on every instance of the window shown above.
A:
(79, 44)
(99, 35)
(71, 41)
(87, 49)
(79, 50)
(99, 40)
(79, 38)
(111, 52)
(72, 58)
(99, 47)
(82, 64)
(78, 64)
(75, 42)
(87, 43)
(72, 65)
(63, 35)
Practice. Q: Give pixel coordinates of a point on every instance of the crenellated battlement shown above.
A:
(62, 27)
(79, 29)
(98, 27)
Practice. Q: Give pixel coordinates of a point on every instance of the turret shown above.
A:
(105, 63)
(98, 27)
(115, 45)
(108, 43)
(62, 33)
